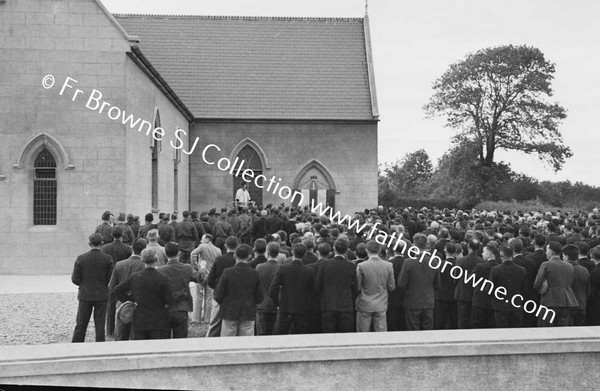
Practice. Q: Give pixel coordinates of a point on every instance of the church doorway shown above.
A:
(251, 161)
(316, 185)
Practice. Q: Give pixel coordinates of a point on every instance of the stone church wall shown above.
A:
(75, 39)
(288, 147)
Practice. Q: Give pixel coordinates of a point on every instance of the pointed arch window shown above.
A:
(156, 147)
(44, 189)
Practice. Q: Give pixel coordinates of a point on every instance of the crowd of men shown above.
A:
(281, 270)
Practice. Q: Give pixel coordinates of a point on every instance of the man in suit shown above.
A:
(529, 320)
(179, 275)
(91, 273)
(118, 251)
(514, 279)
(482, 312)
(121, 273)
(203, 258)
(260, 248)
(418, 281)
(151, 292)
(237, 293)
(583, 259)
(336, 282)
(221, 263)
(266, 311)
(323, 250)
(445, 314)
(375, 278)
(187, 237)
(166, 233)
(273, 222)
(593, 307)
(559, 297)
(259, 227)
(105, 229)
(128, 235)
(292, 290)
(580, 285)
(395, 312)
(464, 292)
(539, 254)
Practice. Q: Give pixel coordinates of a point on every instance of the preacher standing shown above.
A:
(92, 273)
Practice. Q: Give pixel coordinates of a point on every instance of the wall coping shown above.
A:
(57, 359)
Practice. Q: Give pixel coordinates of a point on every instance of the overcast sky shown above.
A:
(415, 42)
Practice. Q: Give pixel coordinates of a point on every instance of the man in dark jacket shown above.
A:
(238, 292)
(91, 273)
(464, 292)
(514, 279)
(444, 314)
(118, 251)
(221, 263)
(179, 275)
(337, 282)
(266, 311)
(417, 282)
(151, 292)
(529, 320)
(295, 282)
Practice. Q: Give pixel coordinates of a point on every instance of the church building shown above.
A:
(158, 113)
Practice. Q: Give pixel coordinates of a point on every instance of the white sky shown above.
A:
(415, 42)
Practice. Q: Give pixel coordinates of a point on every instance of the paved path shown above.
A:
(36, 284)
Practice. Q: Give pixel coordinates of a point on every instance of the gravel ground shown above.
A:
(46, 318)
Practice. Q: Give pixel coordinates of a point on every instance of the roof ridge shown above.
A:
(318, 18)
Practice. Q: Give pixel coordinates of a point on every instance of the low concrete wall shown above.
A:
(506, 359)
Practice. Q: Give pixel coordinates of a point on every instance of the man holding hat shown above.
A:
(238, 292)
(151, 291)
(559, 297)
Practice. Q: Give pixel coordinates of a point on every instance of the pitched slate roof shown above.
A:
(259, 68)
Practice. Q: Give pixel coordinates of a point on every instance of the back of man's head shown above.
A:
(584, 248)
(273, 249)
(138, 246)
(540, 240)
(595, 253)
(117, 232)
(340, 246)
(324, 249)
(474, 245)
(361, 251)
(299, 250)
(571, 251)
(208, 237)
(420, 241)
(506, 252)
(516, 244)
(260, 246)
(185, 214)
(95, 240)
(242, 252)
(149, 256)
(149, 217)
(153, 235)
(171, 249)
(373, 248)
(231, 243)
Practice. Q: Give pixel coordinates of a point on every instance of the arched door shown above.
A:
(251, 161)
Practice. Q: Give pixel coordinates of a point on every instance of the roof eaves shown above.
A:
(228, 17)
(132, 39)
(141, 60)
(370, 69)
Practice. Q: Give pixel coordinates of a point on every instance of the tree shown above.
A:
(498, 98)
(459, 175)
(409, 173)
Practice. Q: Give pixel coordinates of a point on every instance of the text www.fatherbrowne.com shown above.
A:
(435, 262)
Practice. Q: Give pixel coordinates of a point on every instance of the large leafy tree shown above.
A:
(407, 174)
(499, 99)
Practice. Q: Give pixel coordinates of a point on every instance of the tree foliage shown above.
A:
(409, 173)
(499, 99)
